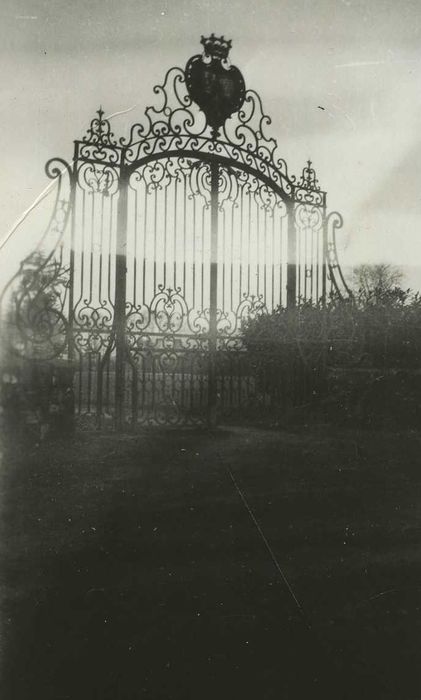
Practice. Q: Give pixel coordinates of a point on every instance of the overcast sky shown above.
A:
(360, 60)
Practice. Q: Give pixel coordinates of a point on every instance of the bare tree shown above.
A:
(376, 280)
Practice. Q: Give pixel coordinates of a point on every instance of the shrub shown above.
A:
(326, 346)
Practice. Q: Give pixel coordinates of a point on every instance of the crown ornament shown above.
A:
(216, 47)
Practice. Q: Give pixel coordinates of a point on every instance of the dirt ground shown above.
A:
(190, 565)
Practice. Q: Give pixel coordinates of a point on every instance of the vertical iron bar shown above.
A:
(202, 273)
(184, 235)
(248, 246)
(71, 339)
(135, 250)
(165, 233)
(292, 258)
(272, 307)
(194, 251)
(135, 395)
(175, 252)
(257, 251)
(212, 379)
(224, 257)
(120, 295)
(241, 244)
(145, 222)
(154, 241)
(231, 307)
(324, 252)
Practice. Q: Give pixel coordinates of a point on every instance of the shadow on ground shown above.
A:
(131, 567)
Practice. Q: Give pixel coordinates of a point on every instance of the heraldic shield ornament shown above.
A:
(216, 86)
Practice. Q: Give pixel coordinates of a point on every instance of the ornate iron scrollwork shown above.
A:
(38, 325)
(198, 177)
(35, 298)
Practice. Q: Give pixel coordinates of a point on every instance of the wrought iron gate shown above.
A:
(160, 246)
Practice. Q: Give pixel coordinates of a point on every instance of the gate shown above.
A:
(163, 243)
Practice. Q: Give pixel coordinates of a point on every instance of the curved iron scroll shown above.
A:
(333, 223)
(35, 299)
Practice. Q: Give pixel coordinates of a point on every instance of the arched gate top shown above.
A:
(177, 126)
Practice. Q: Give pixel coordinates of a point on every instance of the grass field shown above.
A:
(240, 564)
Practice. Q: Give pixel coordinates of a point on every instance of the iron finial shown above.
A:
(308, 178)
